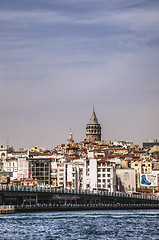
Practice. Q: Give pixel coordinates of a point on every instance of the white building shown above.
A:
(23, 168)
(11, 165)
(16, 163)
(99, 174)
(70, 175)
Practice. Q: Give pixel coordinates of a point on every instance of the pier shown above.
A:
(5, 209)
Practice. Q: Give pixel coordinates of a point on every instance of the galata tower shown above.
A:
(93, 129)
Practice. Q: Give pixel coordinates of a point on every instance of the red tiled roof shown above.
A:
(102, 158)
(73, 147)
(103, 161)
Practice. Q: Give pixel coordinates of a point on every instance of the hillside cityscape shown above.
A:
(92, 164)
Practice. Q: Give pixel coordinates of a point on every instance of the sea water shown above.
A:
(116, 224)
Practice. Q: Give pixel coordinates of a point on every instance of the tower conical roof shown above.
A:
(93, 119)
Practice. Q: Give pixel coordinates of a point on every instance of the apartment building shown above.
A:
(70, 174)
(11, 166)
(99, 174)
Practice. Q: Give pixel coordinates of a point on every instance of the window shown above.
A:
(108, 175)
(103, 175)
(108, 169)
(99, 180)
(103, 181)
(103, 170)
(99, 175)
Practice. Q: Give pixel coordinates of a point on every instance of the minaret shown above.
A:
(93, 129)
(70, 140)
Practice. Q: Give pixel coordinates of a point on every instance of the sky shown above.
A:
(58, 58)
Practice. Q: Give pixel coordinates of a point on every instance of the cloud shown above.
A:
(58, 58)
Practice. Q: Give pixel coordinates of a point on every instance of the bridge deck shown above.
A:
(18, 190)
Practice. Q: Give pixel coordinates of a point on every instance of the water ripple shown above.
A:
(100, 225)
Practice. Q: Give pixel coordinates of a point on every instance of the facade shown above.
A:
(93, 129)
(126, 180)
(141, 166)
(70, 175)
(98, 174)
(11, 165)
(23, 168)
(60, 174)
(150, 143)
(77, 176)
(39, 168)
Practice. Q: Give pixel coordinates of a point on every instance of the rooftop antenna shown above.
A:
(7, 142)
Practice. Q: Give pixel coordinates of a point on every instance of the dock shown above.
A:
(7, 209)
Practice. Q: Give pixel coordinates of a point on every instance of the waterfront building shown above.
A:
(126, 180)
(23, 168)
(40, 169)
(70, 174)
(141, 166)
(99, 174)
(11, 166)
(12, 161)
(77, 175)
(60, 174)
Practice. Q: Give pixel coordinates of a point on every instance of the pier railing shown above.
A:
(5, 209)
(76, 192)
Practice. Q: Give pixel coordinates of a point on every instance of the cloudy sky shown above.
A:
(58, 58)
